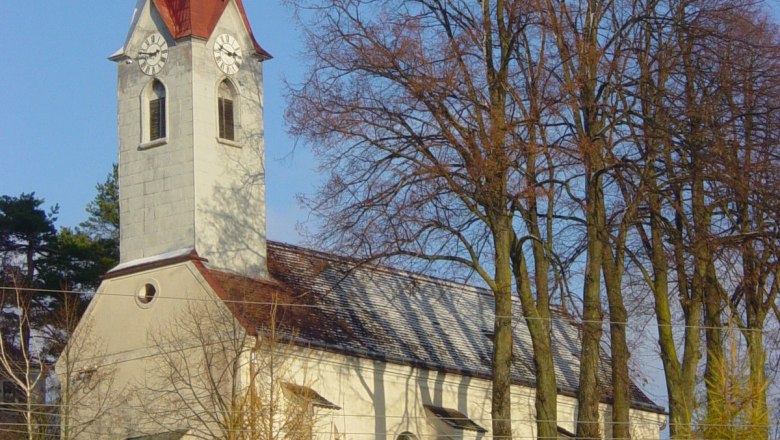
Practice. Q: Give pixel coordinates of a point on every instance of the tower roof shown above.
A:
(199, 18)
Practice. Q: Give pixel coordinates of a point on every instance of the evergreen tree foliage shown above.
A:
(81, 255)
(26, 234)
(103, 211)
(78, 260)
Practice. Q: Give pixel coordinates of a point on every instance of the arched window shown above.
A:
(406, 436)
(155, 103)
(226, 104)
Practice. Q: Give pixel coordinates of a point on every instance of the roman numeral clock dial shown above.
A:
(153, 54)
(227, 54)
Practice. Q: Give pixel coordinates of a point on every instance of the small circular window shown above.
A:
(146, 293)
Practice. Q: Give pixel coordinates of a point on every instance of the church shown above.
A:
(208, 330)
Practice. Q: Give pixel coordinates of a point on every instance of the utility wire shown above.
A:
(372, 435)
(336, 415)
(520, 317)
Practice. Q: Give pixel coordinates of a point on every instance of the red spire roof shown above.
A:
(199, 18)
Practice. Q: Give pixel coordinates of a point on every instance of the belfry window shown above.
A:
(157, 112)
(226, 104)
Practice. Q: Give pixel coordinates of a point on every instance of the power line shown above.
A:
(519, 317)
(388, 434)
(530, 420)
(336, 414)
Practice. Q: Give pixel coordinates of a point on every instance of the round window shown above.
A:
(146, 293)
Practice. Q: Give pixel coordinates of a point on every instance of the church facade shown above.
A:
(208, 330)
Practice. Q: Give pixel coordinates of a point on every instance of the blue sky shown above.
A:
(58, 134)
(58, 126)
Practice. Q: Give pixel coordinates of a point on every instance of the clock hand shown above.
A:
(227, 52)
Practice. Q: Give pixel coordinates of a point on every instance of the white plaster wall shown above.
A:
(230, 177)
(156, 185)
(380, 401)
(123, 347)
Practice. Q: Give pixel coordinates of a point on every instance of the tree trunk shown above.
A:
(754, 337)
(537, 318)
(618, 320)
(501, 409)
(680, 379)
(705, 283)
(589, 393)
(536, 308)
(758, 380)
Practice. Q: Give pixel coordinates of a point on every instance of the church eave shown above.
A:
(157, 262)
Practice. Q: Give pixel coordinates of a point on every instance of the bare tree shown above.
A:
(23, 364)
(701, 129)
(590, 38)
(430, 117)
(746, 164)
(511, 138)
(212, 378)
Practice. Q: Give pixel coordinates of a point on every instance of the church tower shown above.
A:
(191, 140)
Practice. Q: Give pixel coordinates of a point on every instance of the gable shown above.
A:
(118, 321)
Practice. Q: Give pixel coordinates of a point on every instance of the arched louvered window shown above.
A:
(155, 98)
(226, 102)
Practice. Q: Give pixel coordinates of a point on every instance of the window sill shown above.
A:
(153, 144)
(230, 143)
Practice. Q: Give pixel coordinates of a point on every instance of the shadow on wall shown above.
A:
(232, 225)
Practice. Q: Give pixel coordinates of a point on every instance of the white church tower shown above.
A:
(191, 168)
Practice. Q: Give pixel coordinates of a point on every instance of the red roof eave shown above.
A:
(259, 51)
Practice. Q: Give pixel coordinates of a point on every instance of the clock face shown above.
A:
(227, 54)
(153, 54)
